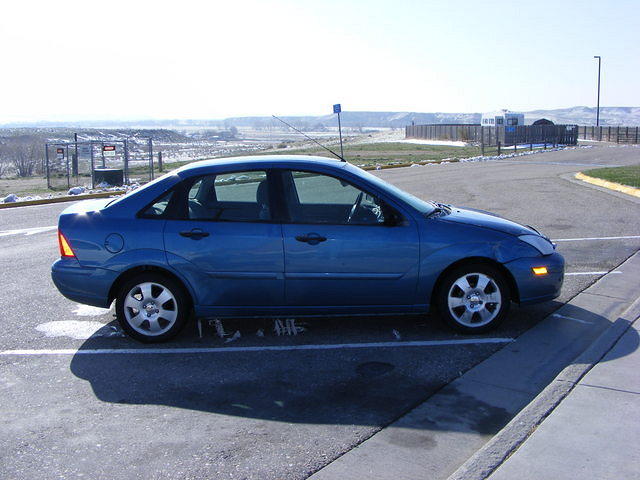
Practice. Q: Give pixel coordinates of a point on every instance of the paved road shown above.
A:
(266, 414)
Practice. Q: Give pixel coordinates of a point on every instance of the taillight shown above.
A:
(65, 248)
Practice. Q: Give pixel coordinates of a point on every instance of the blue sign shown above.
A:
(337, 108)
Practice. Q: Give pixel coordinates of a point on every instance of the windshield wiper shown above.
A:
(439, 209)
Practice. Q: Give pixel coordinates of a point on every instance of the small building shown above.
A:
(502, 118)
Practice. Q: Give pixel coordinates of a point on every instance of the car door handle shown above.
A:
(311, 238)
(195, 234)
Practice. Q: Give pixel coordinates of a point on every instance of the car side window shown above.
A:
(157, 209)
(316, 198)
(230, 197)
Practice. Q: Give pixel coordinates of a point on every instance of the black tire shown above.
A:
(483, 300)
(178, 304)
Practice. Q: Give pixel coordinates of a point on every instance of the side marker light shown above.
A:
(540, 270)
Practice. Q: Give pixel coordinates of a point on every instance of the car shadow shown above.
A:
(350, 386)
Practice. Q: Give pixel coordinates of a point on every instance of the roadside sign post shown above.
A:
(107, 151)
(337, 108)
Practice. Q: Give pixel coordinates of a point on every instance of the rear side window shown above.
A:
(158, 208)
(230, 197)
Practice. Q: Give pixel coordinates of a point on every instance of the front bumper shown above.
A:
(537, 288)
(85, 285)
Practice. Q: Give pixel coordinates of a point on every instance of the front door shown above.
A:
(225, 242)
(345, 247)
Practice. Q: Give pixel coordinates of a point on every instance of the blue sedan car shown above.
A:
(294, 236)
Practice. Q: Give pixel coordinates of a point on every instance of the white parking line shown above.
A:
(628, 237)
(266, 348)
(27, 231)
(589, 273)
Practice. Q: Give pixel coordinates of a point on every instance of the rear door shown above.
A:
(344, 246)
(226, 240)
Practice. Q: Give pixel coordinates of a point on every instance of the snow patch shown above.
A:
(12, 197)
(418, 141)
(89, 311)
(79, 330)
(76, 191)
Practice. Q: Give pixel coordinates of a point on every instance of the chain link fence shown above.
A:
(98, 163)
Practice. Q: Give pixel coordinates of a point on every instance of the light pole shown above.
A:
(598, 106)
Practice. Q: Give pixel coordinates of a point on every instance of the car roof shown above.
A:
(264, 160)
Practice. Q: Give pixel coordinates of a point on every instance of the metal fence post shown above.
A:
(160, 161)
(46, 159)
(126, 161)
(498, 147)
(66, 154)
(151, 158)
(93, 169)
(74, 165)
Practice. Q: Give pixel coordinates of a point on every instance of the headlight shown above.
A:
(544, 246)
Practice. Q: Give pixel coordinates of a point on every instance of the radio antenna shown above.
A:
(312, 139)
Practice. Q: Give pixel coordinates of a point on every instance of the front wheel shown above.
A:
(473, 298)
(151, 308)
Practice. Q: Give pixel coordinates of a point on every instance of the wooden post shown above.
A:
(617, 134)
(482, 140)
(636, 135)
(498, 147)
(159, 161)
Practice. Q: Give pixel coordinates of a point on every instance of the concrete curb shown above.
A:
(618, 187)
(66, 198)
(486, 460)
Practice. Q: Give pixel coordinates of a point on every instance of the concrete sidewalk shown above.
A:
(595, 431)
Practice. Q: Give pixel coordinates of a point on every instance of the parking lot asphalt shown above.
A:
(256, 412)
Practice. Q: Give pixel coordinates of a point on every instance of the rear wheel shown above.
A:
(473, 298)
(151, 307)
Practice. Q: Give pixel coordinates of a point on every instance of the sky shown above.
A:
(94, 60)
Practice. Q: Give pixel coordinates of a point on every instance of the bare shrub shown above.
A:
(24, 154)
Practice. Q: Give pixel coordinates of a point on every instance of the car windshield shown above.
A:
(421, 205)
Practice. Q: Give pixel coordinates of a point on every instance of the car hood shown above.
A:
(484, 219)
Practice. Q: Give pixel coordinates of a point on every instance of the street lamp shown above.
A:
(598, 107)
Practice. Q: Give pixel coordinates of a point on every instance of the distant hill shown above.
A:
(628, 116)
